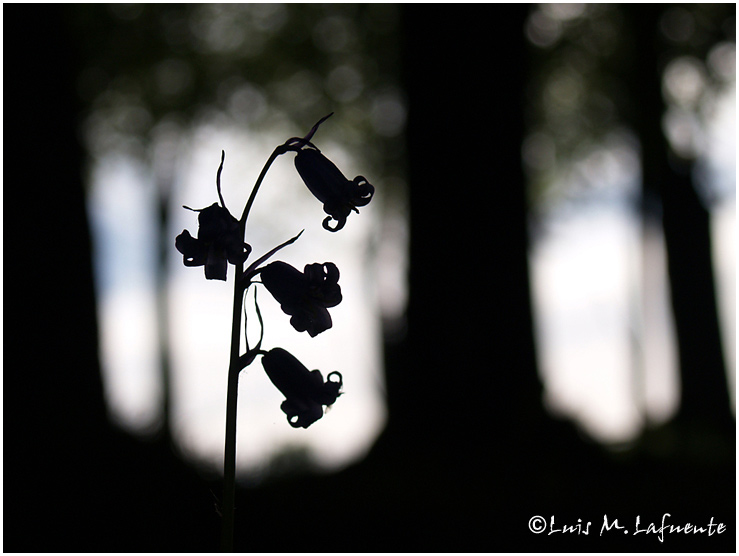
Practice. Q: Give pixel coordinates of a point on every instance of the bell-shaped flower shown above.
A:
(305, 391)
(219, 241)
(306, 296)
(339, 195)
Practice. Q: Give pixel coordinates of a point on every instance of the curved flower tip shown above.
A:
(306, 296)
(219, 241)
(305, 391)
(338, 195)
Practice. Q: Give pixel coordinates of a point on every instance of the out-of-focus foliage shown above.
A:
(580, 93)
(155, 68)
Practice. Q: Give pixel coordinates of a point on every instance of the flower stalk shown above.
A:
(234, 368)
(232, 391)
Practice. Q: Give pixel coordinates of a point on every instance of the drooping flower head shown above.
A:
(305, 391)
(306, 296)
(339, 195)
(220, 239)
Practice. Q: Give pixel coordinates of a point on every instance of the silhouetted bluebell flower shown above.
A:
(338, 195)
(219, 240)
(306, 296)
(305, 391)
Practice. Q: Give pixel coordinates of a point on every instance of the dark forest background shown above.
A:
(467, 457)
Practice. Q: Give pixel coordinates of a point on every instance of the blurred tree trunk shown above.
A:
(470, 357)
(74, 481)
(668, 184)
(55, 409)
(161, 278)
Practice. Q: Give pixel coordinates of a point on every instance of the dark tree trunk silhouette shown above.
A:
(472, 358)
(162, 294)
(54, 396)
(73, 482)
(668, 183)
